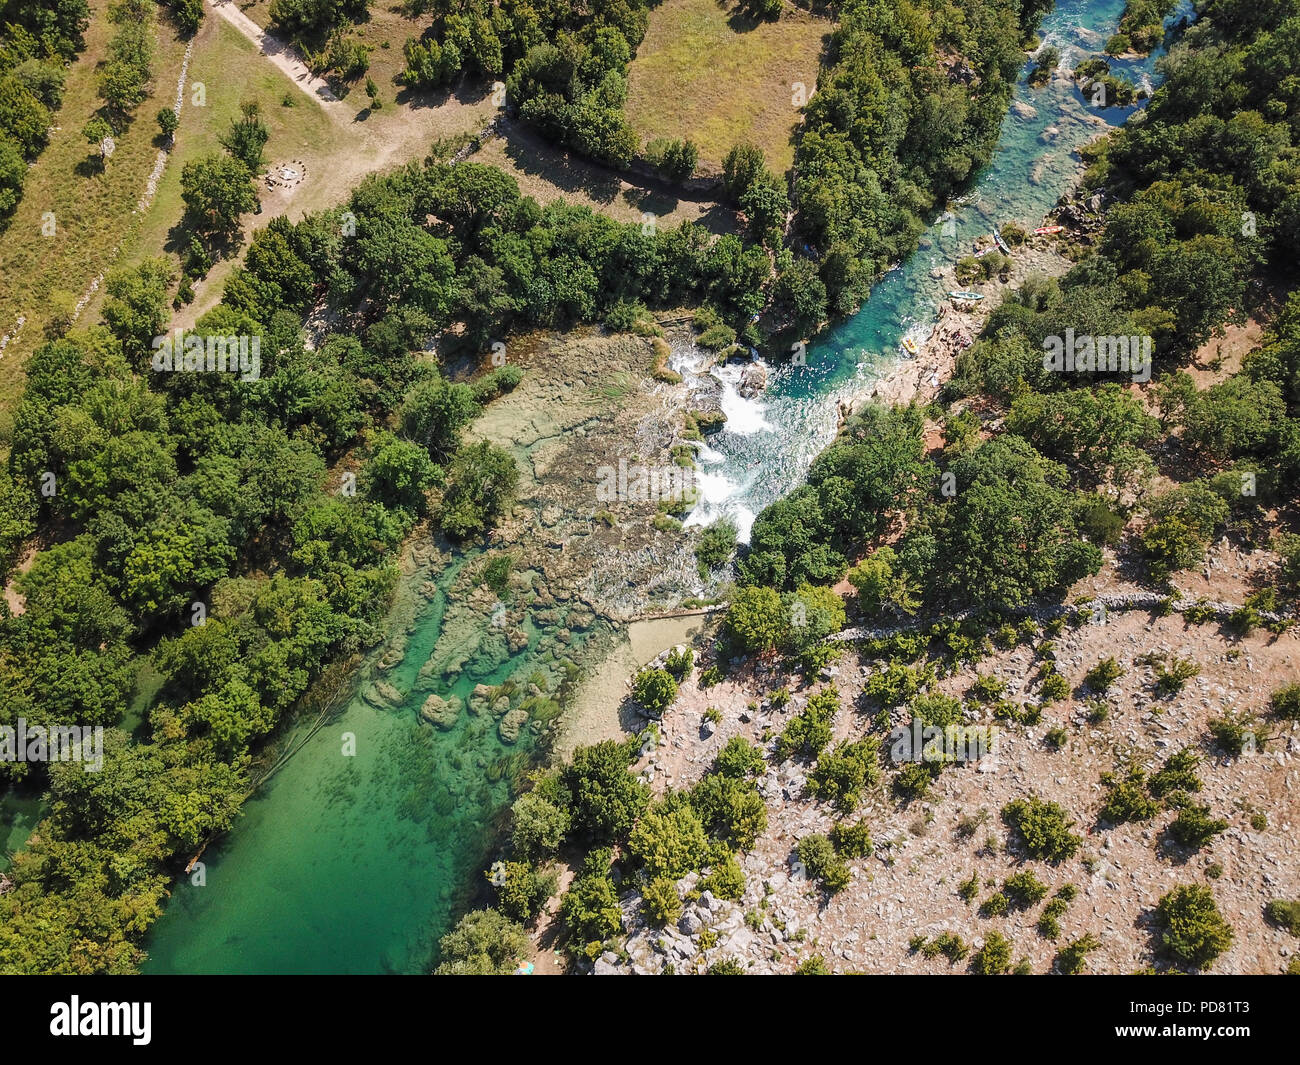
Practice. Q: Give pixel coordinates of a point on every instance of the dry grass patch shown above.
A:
(708, 72)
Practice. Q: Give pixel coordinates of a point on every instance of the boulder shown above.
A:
(753, 379)
(509, 727)
(441, 712)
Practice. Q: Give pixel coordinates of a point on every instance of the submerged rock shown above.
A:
(511, 724)
(441, 712)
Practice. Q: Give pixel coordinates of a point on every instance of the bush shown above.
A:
(537, 826)
(662, 904)
(168, 123)
(1024, 889)
(725, 880)
(1071, 958)
(1054, 688)
(522, 890)
(814, 966)
(819, 859)
(808, 732)
(995, 905)
(590, 908)
(756, 620)
(1101, 676)
(654, 689)
(483, 943)
(852, 841)
(739, 758)
(1177, 774)
(1285, 914)
(1285, 702)
(607, 799)
(484, 478)
(669, 840)
(680, 663)
(912, 782)
(1193, 827)
(1191, 929)
(1127, 799)
(717, 543)
(994, 957)
(1236, 734)
(1043, 827)
(840, 775)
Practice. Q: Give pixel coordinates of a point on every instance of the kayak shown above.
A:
(965, 294)
(1043, 231)
(1002, 244)
(909, 346)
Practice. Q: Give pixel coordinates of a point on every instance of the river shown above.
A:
(357, 863)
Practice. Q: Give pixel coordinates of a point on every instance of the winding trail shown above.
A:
(283, 55)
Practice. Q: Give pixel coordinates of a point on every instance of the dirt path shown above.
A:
(282, 55)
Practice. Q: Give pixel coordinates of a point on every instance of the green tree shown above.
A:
(483, 943)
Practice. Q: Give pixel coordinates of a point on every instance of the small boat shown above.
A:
(1043, 231)
(1002, 244)
(909, 346)
(981, 252)
(964, 294)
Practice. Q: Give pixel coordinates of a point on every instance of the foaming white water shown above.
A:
(744, 416)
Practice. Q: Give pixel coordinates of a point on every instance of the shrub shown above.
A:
(1054, 687)
(669, 839)
(852, 841)
(756, 620)
(1172, 678)
(168, 123)
(607, 799)
(987, 688)
(662, 904)
(726, 880)
(1024, 889)
(1127, 799)
(1285, 702)
(739, 758)
(1177, 774)
(814, 966)
(730, 808)
(537, 825)
(711, 676)
(1071, 958)
(1285, 914)
(840, 775)
(1043, 827)
(654, 689)
(1190, 927)
(1193, 827)
(590, 908)
(717, 543)
(994, 906)
(680, 663)
(808, 732)
(522, 889)
(912, 782)
(1101, 676)
(1236, 734)
(727, 967)
(483, 943)
(822, 864)
(994, 957)
(969, 888)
